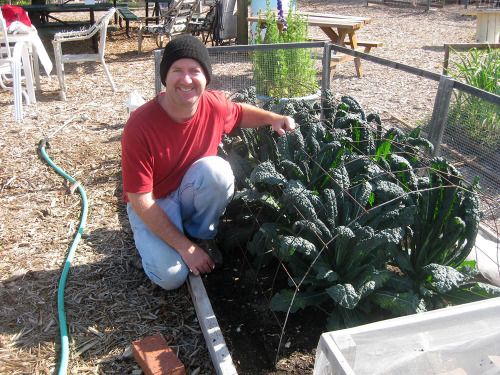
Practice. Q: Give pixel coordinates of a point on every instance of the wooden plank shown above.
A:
(321, 21)
(493, 28)
(361, 43)
(219, 353)
(482, 28)
(340, 58)
(369, 43)
(440, 113)
(468, 46)
(365, 20)
(334, 22)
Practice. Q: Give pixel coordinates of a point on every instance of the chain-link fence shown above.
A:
(471, 138)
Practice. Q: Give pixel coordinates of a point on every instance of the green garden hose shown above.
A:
(63, 329)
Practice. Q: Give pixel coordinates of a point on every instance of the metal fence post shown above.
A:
(440, 113)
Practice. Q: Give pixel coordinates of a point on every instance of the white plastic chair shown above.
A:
(60, 59)
(12, 62)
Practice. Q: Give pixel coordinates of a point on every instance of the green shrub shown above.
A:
(284, 73)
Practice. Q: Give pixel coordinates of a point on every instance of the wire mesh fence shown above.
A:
(351, 214)
(472, 140)
(471, 131)
(276, 71)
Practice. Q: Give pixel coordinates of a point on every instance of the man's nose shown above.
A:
(186, 77)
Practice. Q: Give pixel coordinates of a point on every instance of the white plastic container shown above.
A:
(459, 340)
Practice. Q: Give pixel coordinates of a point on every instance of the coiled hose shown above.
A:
(63, 329)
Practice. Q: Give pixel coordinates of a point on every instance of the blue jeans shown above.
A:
(194, 208)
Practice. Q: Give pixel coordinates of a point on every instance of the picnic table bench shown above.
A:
(125, 14)
(47, 11)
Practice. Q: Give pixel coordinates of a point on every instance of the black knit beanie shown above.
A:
(185, 46)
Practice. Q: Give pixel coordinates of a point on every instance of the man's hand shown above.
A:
(254, 117)
(197, 260)
(283, 124)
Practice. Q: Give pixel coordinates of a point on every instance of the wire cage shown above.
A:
(346, 213)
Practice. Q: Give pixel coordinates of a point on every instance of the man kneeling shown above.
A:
(175, 186)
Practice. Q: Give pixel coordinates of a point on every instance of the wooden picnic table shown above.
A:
(339, 29)
(45, 11)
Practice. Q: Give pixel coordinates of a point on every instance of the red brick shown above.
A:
(156, 358)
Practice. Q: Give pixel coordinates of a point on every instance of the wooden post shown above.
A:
(157, 57)
(440, 113)
(242, 23)
(325, 74)
(446, 58)
(217, 348)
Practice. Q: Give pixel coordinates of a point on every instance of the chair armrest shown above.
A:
(69, 36)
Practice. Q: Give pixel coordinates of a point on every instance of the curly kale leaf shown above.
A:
(295, 199)
(288, 247)
(345, 295)
(265, 176)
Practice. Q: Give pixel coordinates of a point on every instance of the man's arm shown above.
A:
(197, 260)
(254, 117)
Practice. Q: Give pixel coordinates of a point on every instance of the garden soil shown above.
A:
(109, 301)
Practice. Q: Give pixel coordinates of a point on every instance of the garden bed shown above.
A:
(240, 299)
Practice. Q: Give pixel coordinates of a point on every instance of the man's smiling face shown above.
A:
(185, 82)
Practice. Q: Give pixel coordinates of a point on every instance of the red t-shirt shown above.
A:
(157, 151)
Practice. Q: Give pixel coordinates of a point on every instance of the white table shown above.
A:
(488, 24)
(37, 53)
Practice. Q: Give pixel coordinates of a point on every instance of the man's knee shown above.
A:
(216, 172)
(169, 278)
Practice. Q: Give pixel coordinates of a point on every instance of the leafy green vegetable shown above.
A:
(360, 218)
